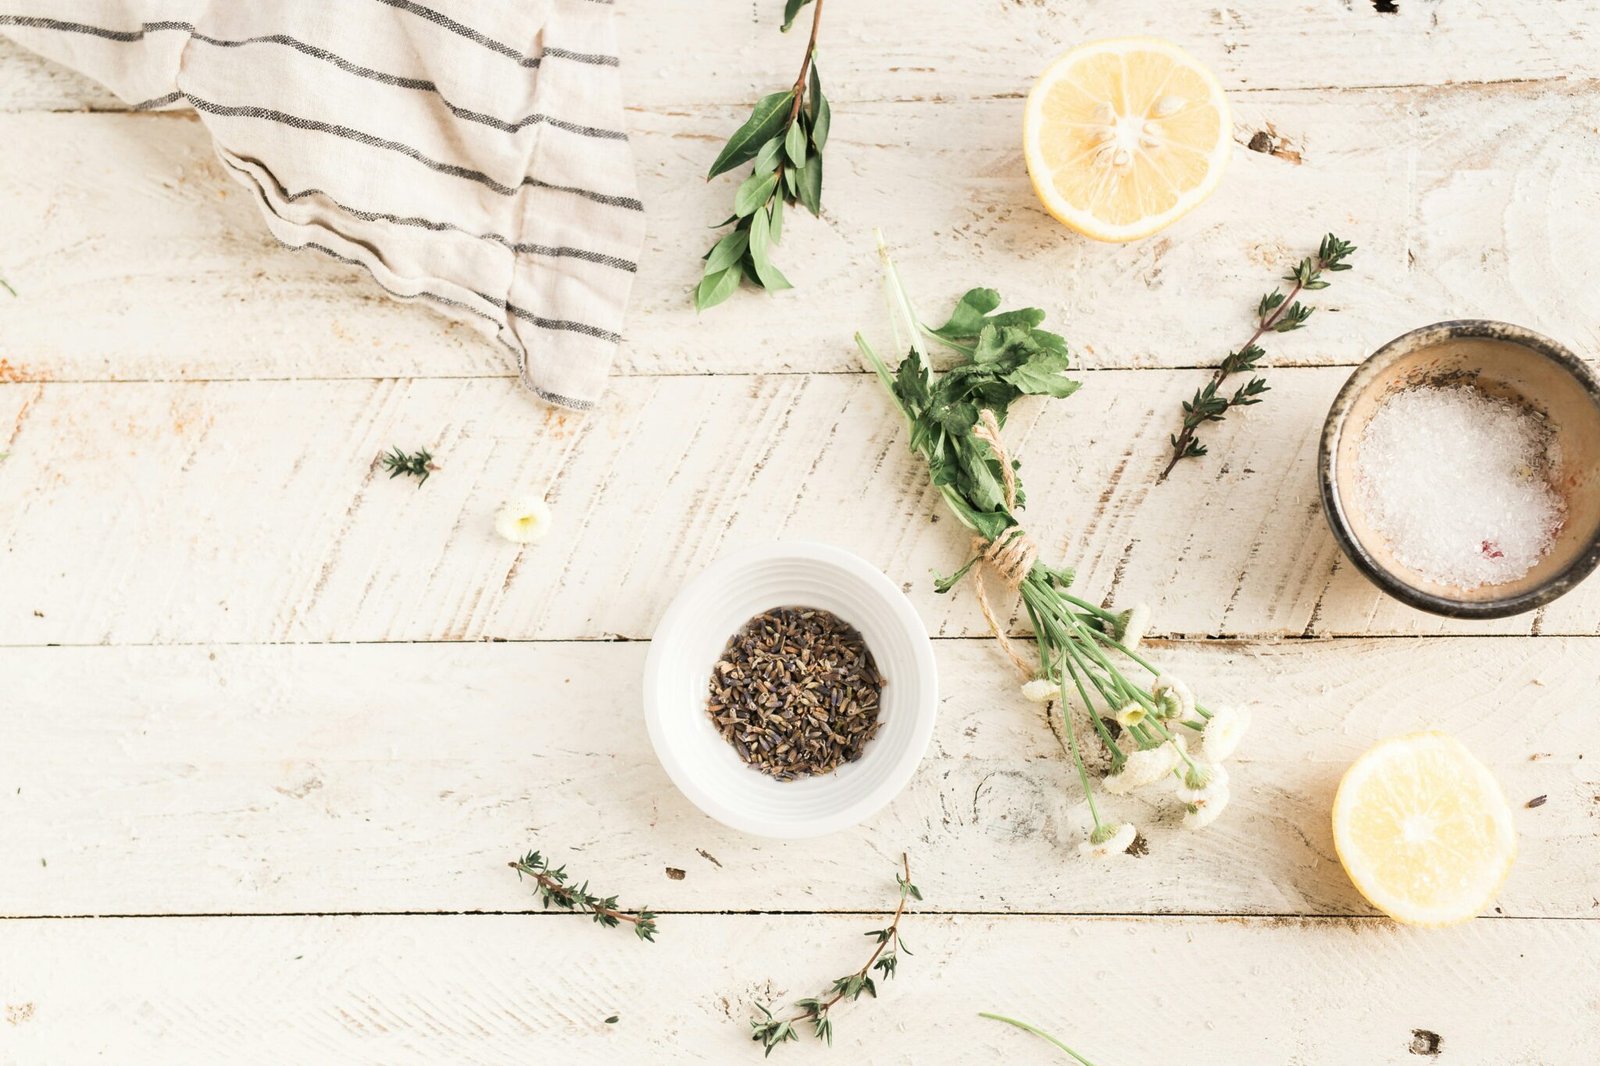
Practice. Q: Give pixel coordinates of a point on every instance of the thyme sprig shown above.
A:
(771, 1030)
(556, 890)
(784, 135)
(1277, 312)
(418, 465)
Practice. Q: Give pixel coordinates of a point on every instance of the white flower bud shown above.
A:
(1173, 698)
(1040, 690)
(1202, 781)
(1223, 732)
(523, 521)
(1108, 840)
(1144, 767)
(1130, 715)
(1203, 812)
(1132, 625)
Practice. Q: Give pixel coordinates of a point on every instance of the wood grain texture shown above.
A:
(403, 777)
(251, 511)
(478, 990)
(115, 221)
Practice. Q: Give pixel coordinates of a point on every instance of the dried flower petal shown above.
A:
(1202, 781)
(1130, 715)
(1132, 625)
(524, 521)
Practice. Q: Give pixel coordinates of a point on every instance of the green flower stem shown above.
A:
(1083, 773)
(1040, 1033)
(1112, 642)
(1117, 755)
(1099, 612)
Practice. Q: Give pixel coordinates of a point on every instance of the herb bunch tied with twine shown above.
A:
(1153, 730)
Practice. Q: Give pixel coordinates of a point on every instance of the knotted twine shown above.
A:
(1009, 556)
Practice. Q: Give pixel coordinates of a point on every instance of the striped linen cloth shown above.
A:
(471, 155)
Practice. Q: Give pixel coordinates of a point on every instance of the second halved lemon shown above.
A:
(1423, 829)
(1124, 136)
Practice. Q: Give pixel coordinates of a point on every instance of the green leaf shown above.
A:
(791, 9)
(767, 158)
(715, 288)
(754, 193)
(760, 245)
(765, 122)
(818, 111)
(1044, 375)
(810, 191)
(777, 219)
(794, 144)
(970, 315)
(727, 251)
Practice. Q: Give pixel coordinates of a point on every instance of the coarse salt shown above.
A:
(1457, 483)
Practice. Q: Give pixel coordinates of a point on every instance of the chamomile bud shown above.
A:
(524, 521)
(1108, 840)
(1040, 690)
(1143, 767)
(1223, 732)
(1173, 699)
(1201, 813)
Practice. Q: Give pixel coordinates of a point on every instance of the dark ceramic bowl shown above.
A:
(1505, 361)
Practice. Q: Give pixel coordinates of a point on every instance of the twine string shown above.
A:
(1011, 555)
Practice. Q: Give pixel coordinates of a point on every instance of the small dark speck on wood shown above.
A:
(708, 857)
(1261, 142)
(1424, 1042)
(1386, 7)
(1538, 801)
(611, 1020)
(675, 873)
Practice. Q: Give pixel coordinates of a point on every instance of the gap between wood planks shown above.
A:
(1142, 916)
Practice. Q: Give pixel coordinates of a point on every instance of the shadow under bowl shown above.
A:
(1505, 362)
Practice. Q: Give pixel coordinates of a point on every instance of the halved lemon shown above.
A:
(1124, 136)
(1423, 830)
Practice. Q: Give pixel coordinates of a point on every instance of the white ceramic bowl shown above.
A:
(696, 628)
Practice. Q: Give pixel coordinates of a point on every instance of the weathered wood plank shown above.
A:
(679, 53)
(269, 779)
(251, 511)
(497, 989)
(110, 216)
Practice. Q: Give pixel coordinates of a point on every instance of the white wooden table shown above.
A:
(273, 723)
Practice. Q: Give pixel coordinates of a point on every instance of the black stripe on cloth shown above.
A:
(553, 251)
(447, 23)
(397, 80)
(295, 121)
(522, 367)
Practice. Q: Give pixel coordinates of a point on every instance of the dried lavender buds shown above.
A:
(796, 693)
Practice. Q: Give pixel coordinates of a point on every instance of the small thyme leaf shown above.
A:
(770, 1030)
(418, 465)
(556, 890)
(1276, 312)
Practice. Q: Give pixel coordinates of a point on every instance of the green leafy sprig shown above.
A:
(771, 1030)
(784, 137)
(1276, 313)
(418, 465)
(1085, 651)
(556, 890)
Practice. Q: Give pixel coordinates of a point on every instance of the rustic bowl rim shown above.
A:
(1333, 506)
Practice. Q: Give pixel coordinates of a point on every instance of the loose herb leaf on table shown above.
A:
(418, 465)
(771, 1030)
(1275, 313)
(783, 138)
(557, 890)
